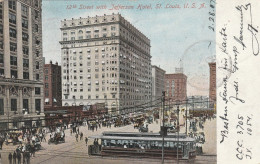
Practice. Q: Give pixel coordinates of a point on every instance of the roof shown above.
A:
(188, 139)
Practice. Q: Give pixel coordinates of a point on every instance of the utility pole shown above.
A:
(162, 129)
(178, 129)
(186, 124)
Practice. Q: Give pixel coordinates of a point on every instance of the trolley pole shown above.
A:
(162, 129)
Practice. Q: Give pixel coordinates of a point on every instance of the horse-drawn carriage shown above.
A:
(57, 137)
(12, 138)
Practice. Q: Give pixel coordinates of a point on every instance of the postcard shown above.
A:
(130, 81)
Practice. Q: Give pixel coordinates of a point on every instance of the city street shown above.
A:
(72, 152)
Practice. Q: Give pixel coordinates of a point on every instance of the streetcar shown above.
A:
(143, 145)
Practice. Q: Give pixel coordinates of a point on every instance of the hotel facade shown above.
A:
(105, 59)
(21, 67)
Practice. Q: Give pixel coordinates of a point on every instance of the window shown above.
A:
(1, 14)
(25, 50)
(46, 71)
(13, 60)
(81, 97)
(13, 46)
(37, 65)
(25, 75)
(36, 27)
(24, 23)
(26, 104)
(36, 3)
(37, 90)
(2, 71)
(37, 76)
(113, 28)
(46, 77)
(46, 94)
(12, 18)
(13, 104)
(1, 106)
(24, 10)
(12, 4)
(1, 44)
(13, 73)
(1, 29)
(26, 63)
(1, 58)
(72, 38)
(37, 105)
(37, 53)
(12, 32)
(36, 14)
(25, 36)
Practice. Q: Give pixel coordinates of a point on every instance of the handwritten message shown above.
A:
(237, 51)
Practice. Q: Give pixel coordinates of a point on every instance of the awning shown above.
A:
(89, 75)
(96, 82)
(47, 100)
(81, 82)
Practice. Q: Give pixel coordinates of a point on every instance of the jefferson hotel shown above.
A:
(107, 60)
(21, 96)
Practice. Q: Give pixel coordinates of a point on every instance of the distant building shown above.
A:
(105, 59)
(176, 86)
(157, 83)
(21, 64)
(52, 85)
(212, 84)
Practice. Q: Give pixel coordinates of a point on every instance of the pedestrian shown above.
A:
(76, 136)
(14, 157)
(10, 157)
(28, 158)
(78, 130)
(19, 157)
(33, 150)
(70, 132)
(81, 136)
(96, 127)
(24, 157)
(0, 159)
(86, 140)
(43, 135)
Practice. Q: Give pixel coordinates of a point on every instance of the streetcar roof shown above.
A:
(188, 139)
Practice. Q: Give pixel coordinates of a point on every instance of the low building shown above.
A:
(176, 86)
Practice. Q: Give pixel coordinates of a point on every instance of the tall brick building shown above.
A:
(52, 85)
(212, 84)
(176, 86)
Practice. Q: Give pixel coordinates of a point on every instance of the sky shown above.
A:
(180, 37)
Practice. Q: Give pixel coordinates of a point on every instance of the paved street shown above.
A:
(72, 152)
